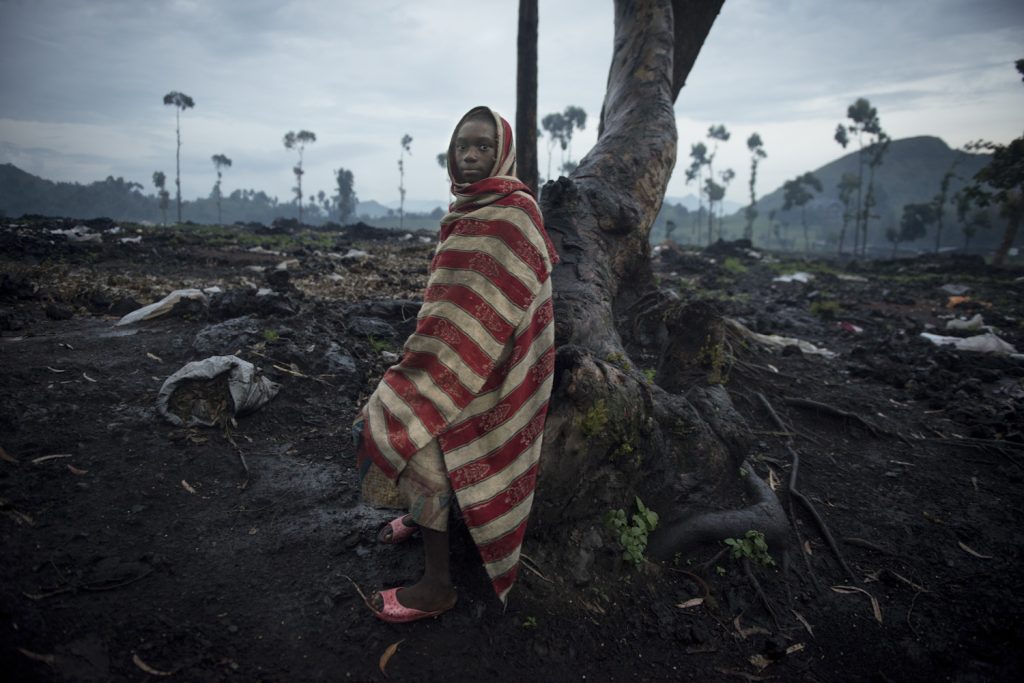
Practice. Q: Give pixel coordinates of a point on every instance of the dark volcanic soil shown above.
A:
(135, 550)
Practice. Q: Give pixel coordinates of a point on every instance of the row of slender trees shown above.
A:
(999, 185)
(343, 202)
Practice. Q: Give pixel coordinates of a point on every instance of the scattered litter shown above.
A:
(76, 471)
(760, 661)
(849, 327)
(975, 323)
(389, 356)
(80, 233)
(955, 289)
(794, 277)
(776, 342)
(131, 240)
(188, 487)
(794, 648)
(692, 602)
(88, 378)
(161, 307)
(210, 291)
(288, 265)
(851, 278)
(335, 277)
(982, 343)
(355, 253)
(261, 250)
(264, 291)
(155, 357)
(212, 391)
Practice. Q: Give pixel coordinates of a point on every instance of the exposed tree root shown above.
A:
(797, 494)
(765, 515)
(833, 411)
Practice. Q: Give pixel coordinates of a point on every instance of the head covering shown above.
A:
(505, 161)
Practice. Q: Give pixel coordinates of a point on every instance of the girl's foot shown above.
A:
(424, 597)
(397, 530)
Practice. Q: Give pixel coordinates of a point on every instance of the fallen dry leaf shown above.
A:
(389, 652)
(692, 602)
(57, 370)
(7, 457)
(800, 618)
(147, 668)
(88, 377)
(45, 659)
(760, 661)
(807, 548)
(753, 630)
(875, 607)
(796, 647)
(44, 458)
(971, 551)
(74, 470)
(158, 359)
(773, 481)
(188, 487)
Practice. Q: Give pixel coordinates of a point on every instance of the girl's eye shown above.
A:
(484, 148)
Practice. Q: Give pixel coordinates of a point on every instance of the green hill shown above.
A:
(911, 173)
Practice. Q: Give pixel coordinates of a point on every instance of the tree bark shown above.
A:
(611, 433)
(526, 95)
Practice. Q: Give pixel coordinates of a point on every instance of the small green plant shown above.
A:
(378, 345)
(650, 374)
(595, 419)
(530, 622)
(271, 336)
(720, 570)
(633, 534)
(825, 309)
(618, 359)
(625, 448)
(733, 265)
(752, 546)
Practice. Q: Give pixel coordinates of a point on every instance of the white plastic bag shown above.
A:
(205, 397)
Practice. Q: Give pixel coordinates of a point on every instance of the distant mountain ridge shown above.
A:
(910, 173)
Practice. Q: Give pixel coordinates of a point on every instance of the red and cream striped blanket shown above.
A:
(476, 375)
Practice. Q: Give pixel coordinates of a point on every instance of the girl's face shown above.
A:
(475, 150)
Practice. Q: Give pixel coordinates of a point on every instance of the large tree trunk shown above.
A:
(526, 94)
(611, 433)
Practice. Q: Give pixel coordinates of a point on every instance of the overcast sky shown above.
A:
(82, 82)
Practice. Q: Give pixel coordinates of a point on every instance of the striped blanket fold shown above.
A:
(476, 374)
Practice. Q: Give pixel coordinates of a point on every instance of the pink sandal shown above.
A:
(395, 612)
(400, 531)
